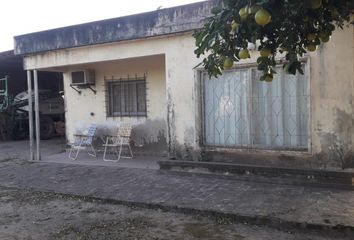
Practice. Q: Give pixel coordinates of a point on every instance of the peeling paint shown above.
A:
(149, 132)
(189, 136)
(171, 126)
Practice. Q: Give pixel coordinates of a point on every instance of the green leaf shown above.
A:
(292, 21)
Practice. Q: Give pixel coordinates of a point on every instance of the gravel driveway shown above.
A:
(26, 214)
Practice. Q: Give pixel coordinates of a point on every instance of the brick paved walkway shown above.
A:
(285, 203)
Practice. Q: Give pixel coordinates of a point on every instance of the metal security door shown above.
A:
(241, 111)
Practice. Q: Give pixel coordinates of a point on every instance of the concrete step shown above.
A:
(265, 174)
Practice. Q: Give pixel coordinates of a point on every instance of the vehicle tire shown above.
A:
(19, 134)
(47, 127)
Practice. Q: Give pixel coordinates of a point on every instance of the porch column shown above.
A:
(30, 113)
(36, 109)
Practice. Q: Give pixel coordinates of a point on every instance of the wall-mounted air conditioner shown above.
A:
(83, 77)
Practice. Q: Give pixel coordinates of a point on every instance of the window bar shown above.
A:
(214, 120)
(121, 96)
(106, 96)
(129, 97)
(137, 96)
(111, 87)
(222, 139)
(202, 86)
(145, 94)
(250, 94)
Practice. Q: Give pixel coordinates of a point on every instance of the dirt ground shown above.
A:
(29, 215)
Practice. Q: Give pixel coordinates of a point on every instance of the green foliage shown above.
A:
(296, 26)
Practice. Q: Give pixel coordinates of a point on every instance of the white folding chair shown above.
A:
(121, 140)
(83, 142)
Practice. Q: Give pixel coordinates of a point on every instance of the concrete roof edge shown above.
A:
(144, 25)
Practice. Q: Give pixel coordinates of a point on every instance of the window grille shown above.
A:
(239, 110)
(126, 97)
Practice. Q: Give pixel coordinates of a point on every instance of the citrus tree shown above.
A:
(289, 27)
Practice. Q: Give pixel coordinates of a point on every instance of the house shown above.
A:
(144, 73)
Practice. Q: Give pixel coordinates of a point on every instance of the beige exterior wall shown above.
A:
(87, 107)
(332, 95)
(179, 110)
(331, 86)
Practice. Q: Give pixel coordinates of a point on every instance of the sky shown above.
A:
(19, 17)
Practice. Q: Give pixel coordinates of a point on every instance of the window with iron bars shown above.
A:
(127, 98)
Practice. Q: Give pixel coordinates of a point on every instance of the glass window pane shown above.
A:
(116, 98)
(226, 109)
(127, 98)
(141, 97)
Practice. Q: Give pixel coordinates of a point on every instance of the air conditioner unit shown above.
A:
(83, 77)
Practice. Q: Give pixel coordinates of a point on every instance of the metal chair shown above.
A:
(121, 140)
(82, 142)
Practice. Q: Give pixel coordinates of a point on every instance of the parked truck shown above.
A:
(14, 113)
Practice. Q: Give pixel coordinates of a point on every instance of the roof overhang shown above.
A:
(10, 61)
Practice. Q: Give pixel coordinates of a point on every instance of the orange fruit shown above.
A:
(324, 39)
(228, 63)
(243, 54)
(311, 36)
(265, 52)
(234, 26)
(243, 13)
(268, 78)
(311, 47)
(286, 68)
(262, 17)
(315, 4)
(334, 13)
